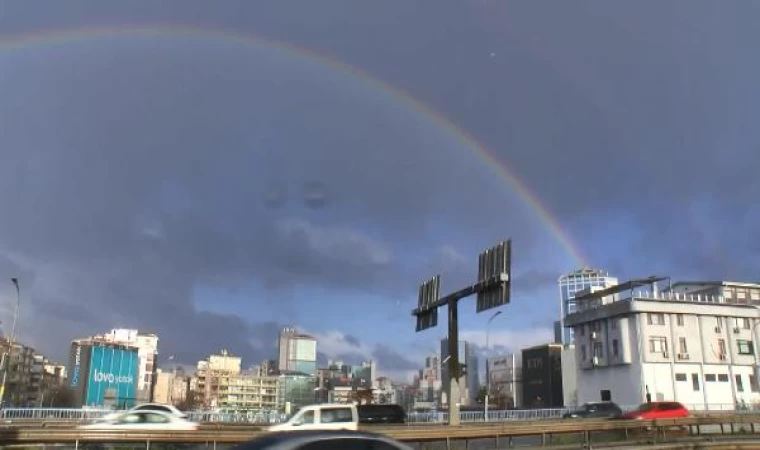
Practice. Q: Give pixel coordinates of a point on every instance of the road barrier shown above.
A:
(72, 415)
(551, 432)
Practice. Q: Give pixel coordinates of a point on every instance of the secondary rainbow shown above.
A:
(481, 151)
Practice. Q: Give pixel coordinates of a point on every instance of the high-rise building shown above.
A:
(470, 382)
(571, 283)
(296, 352)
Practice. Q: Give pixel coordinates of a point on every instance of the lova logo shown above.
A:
(77, 362)
(102, 377)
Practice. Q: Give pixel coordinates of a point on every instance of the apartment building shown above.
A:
(213, 377)
(172, 387)
(635, 342)
(250, 393)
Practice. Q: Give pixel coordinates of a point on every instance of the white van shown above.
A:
(322, 417)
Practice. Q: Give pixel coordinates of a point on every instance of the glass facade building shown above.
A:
(573, 282)
(296, 391)
(297, 352)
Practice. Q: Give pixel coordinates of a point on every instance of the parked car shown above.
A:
(595, 410)
(388, 413)
(141, 420)
(657, 410)
(322, 417)
(322, 440)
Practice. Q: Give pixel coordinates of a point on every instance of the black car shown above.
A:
(322, 440)
(381, 414)
(595, 410)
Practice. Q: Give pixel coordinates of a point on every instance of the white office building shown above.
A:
(505, 373)
(632, 340)
(577, 281)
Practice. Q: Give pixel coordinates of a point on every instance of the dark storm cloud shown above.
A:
(353, 340)
(147, 170)
(391, 360)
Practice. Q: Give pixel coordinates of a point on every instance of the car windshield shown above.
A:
(644, 407)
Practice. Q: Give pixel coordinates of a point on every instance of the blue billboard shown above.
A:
(112, 377)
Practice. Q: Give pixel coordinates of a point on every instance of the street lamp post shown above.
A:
(7, 353)
(488, 371)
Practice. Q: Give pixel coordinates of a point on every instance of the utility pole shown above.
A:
(493, 290)
(9, 351)
(488, 372)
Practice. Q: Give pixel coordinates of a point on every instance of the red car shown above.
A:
(657, 410)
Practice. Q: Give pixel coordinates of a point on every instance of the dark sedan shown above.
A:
(596, 410)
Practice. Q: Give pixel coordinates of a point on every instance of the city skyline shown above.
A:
(213, 174)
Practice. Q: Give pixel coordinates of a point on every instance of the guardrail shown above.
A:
(80, 415)
(547, 433)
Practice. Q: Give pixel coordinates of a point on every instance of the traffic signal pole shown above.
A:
(454, 367)
(493, 290)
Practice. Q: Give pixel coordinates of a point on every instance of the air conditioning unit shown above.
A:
(594, 335)
(595, 361)
(736, 330)
(665, 355)
(683, 356)
(722, 357)
(718, 329)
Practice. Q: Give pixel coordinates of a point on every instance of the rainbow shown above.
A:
(481, 151)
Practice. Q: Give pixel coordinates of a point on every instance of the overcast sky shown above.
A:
(212, 171)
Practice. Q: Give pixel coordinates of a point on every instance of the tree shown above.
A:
(481, 397)
(190, 403)
(58, 397)
(363, 396)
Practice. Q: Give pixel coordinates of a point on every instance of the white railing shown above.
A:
(263, 418)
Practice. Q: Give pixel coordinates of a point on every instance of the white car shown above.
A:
(169, 409)
(328, 417)
(141, 420)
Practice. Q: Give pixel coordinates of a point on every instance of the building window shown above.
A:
(695, 381)
(739, 384)
(741, 295)
(718, 322)
(613, 324)
(723, 378)
(682, 345)
(598, 350)
(656, 319)
(597, 326)
(679, 320)
(746, 323)
(583, 352)
(721, 346)
(658, 345)
(753, 384)
(745, 347)
(728, 294)
(754, 294)
(680, 377)
(615, 348)
(710, 377)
